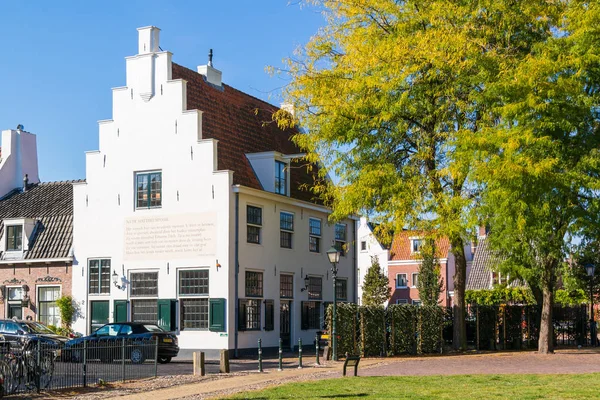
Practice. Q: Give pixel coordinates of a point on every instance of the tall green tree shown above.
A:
(394, 93)
(540, 164)
(430, 282)
(376, 289)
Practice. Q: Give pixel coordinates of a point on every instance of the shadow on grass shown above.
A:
(337, 396)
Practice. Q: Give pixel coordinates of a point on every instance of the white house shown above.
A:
(368, 247)
(193, 215)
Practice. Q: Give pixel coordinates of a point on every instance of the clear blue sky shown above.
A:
(59, 60)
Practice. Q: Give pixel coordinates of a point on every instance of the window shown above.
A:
(340, 238)
(148, 190)
(193, 312)
(314, 235)
(249, 315)
(315, 287)
(286, 224)
(48, 312)
(286, 286)
(254, 220)
(416, 302)
(269, 315)
(280, 178)
(341, 289)
(99, 276)
(401, 301)
(144, 284)
(193, 282)
(416, 245)
(108, 330)
(14, 238)
(145, 311)
(15, 308)
(415, 279)
(401, 281)
(311, 315)
(363, 245)
(254, 284)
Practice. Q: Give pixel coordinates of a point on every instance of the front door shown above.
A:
(99, 314)
(120, 313)
(285, 323)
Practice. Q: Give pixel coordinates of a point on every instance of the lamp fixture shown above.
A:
(115, 279)
(306, 282)
(218, 265)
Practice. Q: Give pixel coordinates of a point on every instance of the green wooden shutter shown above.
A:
(242, 315)
(304, 318)
(166, 314)
(269, 315)
(120, 311)
(216, 315)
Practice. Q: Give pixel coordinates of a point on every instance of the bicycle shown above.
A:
(29, 366)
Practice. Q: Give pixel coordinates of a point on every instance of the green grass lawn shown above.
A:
(584, 386)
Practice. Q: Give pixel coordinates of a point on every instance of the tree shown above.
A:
(376, 289)
(394, 94)
(430, 283)
(540, 164)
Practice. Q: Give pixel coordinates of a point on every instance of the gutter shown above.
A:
(36, 260)
(355, 262)
(237, 271)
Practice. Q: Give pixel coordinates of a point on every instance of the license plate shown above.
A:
(167, 340)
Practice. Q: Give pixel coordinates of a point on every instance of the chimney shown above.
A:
(19, 159)
(25, 183)
(148, 40)
(210, 74)
(289, 107)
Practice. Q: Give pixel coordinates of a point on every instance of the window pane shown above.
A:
(15, 293)
(254, 215)
(144, 311)
(285, 239)
(314, 244)
(254, 283)
(194, 313)
(253, 234)
(340, 232)
(105, 276)
(142, 190)
(155, 189)
(193, 282)
(252, 314)
(144, 284)
(286, 221)
(14, 235)
(94, 276)
(315, 287)
(341, 291)
(48, 312)
(280, 178)
(314, 227)
(311, 315)
(286, 286)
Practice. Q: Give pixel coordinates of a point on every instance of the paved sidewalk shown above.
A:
(233, 384)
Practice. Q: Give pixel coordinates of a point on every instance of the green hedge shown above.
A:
(372, 331)
(402, 325)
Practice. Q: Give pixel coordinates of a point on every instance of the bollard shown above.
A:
(300, 353)
(199, 368)
(224, 362)
(280, 355)
(317, 348)
(260, 355)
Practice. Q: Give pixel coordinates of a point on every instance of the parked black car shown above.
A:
(14, 332)
(107, 344)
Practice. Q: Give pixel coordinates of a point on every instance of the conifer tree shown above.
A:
(429, 283)
(376, 290)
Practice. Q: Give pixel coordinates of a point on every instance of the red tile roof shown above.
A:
(243, 124)
(401, 246)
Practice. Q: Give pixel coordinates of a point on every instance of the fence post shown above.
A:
(317, 348)
(123, 359)
(156, 357)
(477, 322)
(84, 363)
(260, 368)
(300, 353)
(38, 365)
(280, 355)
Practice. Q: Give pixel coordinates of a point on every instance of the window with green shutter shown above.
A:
(166, 314)
(269, 315)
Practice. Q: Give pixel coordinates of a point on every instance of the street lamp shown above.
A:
(590, 271)
(334, 258)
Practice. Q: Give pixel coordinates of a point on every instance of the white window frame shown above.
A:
(412, 245)
(405, 280)
(183, 297)
(416, 302)
(366, 246)
(37, 299)
(401, 301)
(286, 172)
(412, 279)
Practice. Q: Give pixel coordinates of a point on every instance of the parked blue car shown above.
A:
(136, 339)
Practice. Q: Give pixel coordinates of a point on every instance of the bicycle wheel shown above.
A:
(10, 371)
(46, 371)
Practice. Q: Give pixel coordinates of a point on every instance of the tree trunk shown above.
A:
(546, 341)
(459, 334)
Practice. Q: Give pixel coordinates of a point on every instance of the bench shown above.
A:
(351, 361)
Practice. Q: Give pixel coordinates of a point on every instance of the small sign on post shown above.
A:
(351, 361)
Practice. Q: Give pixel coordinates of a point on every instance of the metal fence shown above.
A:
(36, 365)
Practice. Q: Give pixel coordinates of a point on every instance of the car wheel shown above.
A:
(164, 359)
(137, 356)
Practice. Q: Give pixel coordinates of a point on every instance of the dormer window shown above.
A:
(14, 238)
(416, 245)
(281, 178)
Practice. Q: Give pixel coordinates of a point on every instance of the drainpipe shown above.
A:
(237, 270)
(355, 263)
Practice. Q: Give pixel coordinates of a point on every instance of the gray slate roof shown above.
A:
(480, 275)
(51, 204)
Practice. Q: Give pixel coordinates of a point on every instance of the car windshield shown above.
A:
(153, 328)
(34, 327)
